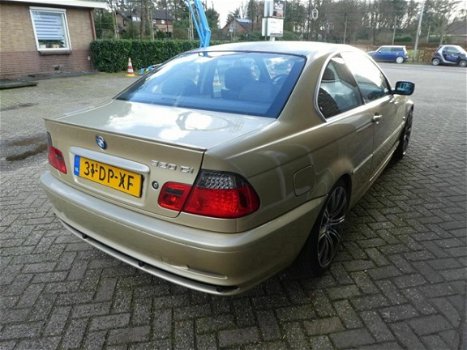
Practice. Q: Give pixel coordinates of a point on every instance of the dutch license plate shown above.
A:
(108, 175)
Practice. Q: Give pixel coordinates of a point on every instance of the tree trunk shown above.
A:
(442, 32)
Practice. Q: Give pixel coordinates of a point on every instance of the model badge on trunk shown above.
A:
(171, 166)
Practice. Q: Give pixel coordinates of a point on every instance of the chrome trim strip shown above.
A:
(111, 160)
(383, 165)
(364, 126)
(357, 168)
(398, 130)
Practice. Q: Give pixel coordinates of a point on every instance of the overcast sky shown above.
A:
(224, 7)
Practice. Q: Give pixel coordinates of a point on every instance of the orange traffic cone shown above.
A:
(130, 72)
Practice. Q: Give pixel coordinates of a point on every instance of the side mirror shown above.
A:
(404, 88)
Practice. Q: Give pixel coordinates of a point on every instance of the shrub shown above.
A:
(290, 36)
(112, 55)
(403, 39)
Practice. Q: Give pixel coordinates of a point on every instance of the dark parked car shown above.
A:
(224, 164)
(390, 53)
(453, 55)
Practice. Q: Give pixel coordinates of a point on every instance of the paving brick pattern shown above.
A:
(399, 281)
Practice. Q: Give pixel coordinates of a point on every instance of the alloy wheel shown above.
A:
(406, 137)
(332, 225)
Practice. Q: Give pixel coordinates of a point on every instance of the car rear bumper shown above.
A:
(211, 262)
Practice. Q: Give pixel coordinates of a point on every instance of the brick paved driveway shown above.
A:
(399, 281)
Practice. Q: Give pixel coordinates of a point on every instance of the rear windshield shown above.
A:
(236, 82)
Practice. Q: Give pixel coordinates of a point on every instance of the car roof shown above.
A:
(308, 49)
(452, 45)
(397, 46)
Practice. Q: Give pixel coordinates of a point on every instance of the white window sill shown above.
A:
(54, 52)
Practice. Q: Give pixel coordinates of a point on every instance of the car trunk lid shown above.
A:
(181, 126)
(125, 152)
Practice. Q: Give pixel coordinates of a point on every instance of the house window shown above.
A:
(50, 29)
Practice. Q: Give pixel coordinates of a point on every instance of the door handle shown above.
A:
(377, 118)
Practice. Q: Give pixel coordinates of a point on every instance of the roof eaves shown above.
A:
(65, 3)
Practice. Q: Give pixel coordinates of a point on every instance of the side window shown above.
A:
(371, 81)
(338, 90)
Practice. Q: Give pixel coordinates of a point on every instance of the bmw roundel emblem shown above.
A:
(101, 142)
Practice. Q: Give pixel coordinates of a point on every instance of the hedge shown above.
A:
(110, 55)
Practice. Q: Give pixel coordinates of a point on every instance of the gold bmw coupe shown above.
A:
(225, 164)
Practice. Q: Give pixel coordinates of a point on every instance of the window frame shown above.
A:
(452, 50)
(66, 31)
(140, 91)
(384, 49)
(318, 85)
(374, 65)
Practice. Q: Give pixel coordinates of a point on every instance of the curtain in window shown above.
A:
(49, 26)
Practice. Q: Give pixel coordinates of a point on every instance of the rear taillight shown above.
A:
(56, 156)
(216, 194)
(173, 195)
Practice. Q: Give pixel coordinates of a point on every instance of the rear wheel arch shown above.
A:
(347, 179)
(404, 138)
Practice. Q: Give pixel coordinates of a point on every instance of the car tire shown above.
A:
(404, 139)
(435, 62)
(327, 232)
(463, 63)
(400, 60)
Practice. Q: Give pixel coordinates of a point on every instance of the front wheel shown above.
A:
(404, 138)
(435, 62)
(463, 63)
(327, 232)
(400, 60)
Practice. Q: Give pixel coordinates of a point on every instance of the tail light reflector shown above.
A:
(173, 195)
(56, 156)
